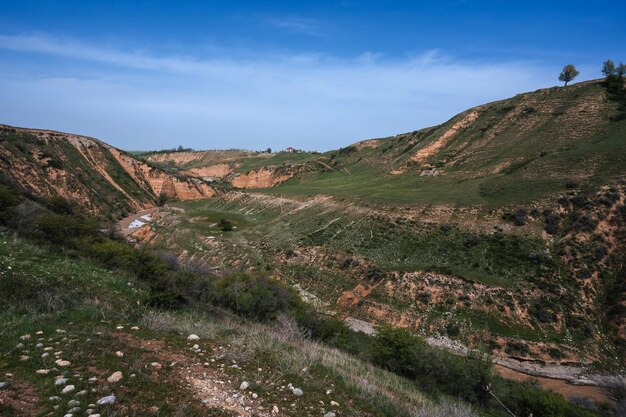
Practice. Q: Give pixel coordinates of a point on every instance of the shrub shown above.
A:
(225, 225)
(255, 296)
(434, 370)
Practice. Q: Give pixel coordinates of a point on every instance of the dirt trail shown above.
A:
(567, 390)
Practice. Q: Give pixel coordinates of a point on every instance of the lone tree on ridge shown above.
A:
(568, 74)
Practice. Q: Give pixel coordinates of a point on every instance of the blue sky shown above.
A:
(308, 74)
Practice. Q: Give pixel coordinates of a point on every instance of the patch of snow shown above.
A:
(135, 224)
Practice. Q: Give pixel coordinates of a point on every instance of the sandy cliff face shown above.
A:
(261, 178)
(160, 182)
(213, 171)
(93, 174)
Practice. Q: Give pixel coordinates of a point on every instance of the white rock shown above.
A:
(24, 358)
(39, 345)
(244, 385)
(73, 403)
(54, 398)
(115, 377)
(93, 415)
(69, 415)
(61, 331)
(92, 379)
(3, 384)
(60, 381)
(334, 403)
(193, 337)
(119, 354)
(110, 399)
(42, 371)
(62, 363)
(45, 355)
(330, 414)
(275, 410)
(39, 332)
(297, 392)
(255, 395)
(25, 337)
(68, 389)
(134, 328)
(81, 393)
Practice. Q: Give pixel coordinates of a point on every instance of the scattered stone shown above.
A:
(155, 365)
(45, 355)
(115, 377)
(24, 358)
(334, 404)
(61, 331)
(193, 337)
(120, 327)
(119, 354)
(42, 371)
(297, 392)
(3, 384)
(19, 345)
(134, 328)
(244, 386)
(255, 395)
(275, 410)
(61, 381)
(68, 389)
(25, 337)
(39, 333)
(48, 349)
(81, 393)
(54, 398)
(330, 414)
(39, 345)
(73, 403)
(93, 415)
(110, 399)
(92, 379)
(69, 415)
(62, 363)
(74, 410)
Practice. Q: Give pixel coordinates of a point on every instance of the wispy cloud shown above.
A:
(264, 100)
(292, 24)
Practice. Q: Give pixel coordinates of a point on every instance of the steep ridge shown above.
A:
(92, 174)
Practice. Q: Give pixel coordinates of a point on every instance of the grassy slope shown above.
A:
(517, 150)
(86, 313)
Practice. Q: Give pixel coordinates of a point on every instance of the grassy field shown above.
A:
(516, 151)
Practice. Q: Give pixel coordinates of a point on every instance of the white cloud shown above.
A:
(311, 27)
(140, 100)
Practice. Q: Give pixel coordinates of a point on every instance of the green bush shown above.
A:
(255, 296)
(524, 399)
(225, 225)
(434, 370)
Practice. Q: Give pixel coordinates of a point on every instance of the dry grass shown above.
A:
(292, 351)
